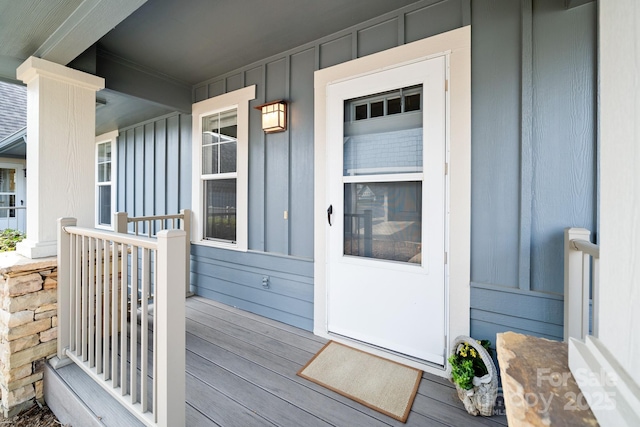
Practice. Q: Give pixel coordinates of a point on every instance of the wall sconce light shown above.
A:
(274, 116)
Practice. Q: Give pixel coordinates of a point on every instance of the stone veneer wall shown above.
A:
(28, 328)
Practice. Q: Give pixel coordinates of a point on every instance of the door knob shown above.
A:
(329, 212)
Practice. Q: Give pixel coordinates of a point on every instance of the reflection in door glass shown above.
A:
(383, 133)
(383, 220)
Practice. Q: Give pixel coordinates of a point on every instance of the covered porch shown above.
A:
(241, 370)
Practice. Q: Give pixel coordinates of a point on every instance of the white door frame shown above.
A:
(456, 45)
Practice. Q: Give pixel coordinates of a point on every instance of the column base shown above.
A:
(32, 249)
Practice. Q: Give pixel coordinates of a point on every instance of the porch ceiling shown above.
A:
(151, 52)
(194, 40)
(55, 30)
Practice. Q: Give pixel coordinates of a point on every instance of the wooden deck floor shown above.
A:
(241, 371)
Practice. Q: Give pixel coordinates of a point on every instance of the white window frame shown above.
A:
(238, 99)
(111, 137)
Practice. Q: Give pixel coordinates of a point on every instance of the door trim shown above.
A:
(456, 46)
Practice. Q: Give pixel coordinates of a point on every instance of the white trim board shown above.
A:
(610, 392)
(237, 99)
(456, 45)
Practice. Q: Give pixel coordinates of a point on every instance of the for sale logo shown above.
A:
(572, 400)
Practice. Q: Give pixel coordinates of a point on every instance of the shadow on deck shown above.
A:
(241, 371)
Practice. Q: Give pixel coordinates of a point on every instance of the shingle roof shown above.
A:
(13, 108)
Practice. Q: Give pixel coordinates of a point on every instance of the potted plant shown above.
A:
(474, 375)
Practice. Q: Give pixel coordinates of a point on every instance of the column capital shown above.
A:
(36, 67)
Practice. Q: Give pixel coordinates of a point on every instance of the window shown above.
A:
(220, 173)
(105, 179)
(7, 192)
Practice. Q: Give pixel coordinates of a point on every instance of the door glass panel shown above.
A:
(377, 109)
(383, 220)
(394, 106)
(386, 141)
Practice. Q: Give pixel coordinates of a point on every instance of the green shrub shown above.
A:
(9, 238)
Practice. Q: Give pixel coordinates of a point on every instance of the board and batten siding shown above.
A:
(533, 161)
(154, 166)
(281, 165)
(534, 158)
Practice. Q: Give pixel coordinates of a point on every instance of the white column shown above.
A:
(60, 150)
(613, 387)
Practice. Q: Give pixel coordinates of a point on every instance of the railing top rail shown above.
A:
(13, 207)
(587, 247)
(154, 218)
(127, 239)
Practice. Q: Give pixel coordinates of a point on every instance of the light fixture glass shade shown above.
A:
(274, 116)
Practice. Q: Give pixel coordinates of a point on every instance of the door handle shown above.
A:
(329, 212)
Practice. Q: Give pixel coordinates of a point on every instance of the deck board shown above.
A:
(226, 412)
(275, 363)
(249, 358)
(241, 371)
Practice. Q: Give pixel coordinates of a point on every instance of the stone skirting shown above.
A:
(28, 328)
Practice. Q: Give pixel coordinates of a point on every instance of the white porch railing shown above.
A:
(16, 222)
(104, 280)
(150, 225)
(581, 283)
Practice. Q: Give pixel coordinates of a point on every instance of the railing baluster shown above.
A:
(133, 364)
(106, 295)
(144, 331)
(92, 302)
(72, 292)
(595, 295)
(154, 359)
(586, 287)
(85, 297)
(78, 299)
(115, 280)
(99, 307)
(124, 291)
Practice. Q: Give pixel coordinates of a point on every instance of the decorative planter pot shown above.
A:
(481, 399)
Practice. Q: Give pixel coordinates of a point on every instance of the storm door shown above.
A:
(387, 197)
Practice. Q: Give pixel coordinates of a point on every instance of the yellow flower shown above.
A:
(473, 353)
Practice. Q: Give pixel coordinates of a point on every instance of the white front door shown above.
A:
(387, 190)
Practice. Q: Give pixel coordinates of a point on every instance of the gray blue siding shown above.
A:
(533, 160)
(281, 165)
(237, 279)
(154, 166)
